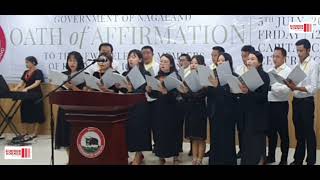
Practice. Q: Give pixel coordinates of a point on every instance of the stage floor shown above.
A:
(41, 149)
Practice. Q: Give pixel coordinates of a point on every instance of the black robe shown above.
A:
(139, 122)
(222, 136)
(63, 128)
(165, 122)
(255, 122)
(181, 116)
(196, 115)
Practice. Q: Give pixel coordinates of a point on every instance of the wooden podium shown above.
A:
(98, 125)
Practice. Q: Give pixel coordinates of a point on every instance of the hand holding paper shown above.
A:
(271, 77)
(234, 84)
(252, 79)
(107, 78)
(182, 88)
(148, 89)
(56, 78)
(204, 73)
(79, 79)
(153, 83)
(92, 81)
(223, 70)
(278, 78)
(244, 89)
(119, 79)
(214, 81)
(163, 90)
(193, 82)
(68, 86)
(136, 78)
(171, 82)
(297, 75)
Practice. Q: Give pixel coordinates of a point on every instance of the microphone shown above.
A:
(100, 59)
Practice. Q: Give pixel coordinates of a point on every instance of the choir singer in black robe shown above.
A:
(223, 120)
(139, 123)
(255, 121)
(165, 115)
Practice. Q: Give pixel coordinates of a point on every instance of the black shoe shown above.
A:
(270, 160)
(207, 154)
(19, 137)
(296, 163)
(311, 163)
(190, 153)
(283, 162)
(239, 155)
(26, 138)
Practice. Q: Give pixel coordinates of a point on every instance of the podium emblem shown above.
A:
(91, 142)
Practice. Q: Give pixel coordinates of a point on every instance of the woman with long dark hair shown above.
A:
(165, 123)
(139, 122)
(73, 65)
(223, 119)
(196, 116)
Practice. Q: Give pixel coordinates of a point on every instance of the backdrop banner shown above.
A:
(49, 37)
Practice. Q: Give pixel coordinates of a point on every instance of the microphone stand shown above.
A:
(51, 113)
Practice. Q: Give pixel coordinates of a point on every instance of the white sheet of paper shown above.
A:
(174, 74)
(118, 78)
(79, 79)
(170, 82)
(107, 78)
(153, 83)
(271, 76)
(136, 78)
(252, 79)
(192, 80)
(56, 78)
(92, 81)
(297, 75)
(181, 73)
(223, 70)
(234, 84)
(278, 78)
(203, 73)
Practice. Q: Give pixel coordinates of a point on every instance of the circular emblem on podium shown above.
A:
(91, 142)
(2, 44)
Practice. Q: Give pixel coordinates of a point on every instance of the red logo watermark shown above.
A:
(3, 44)
(297, 27)
(16, 152)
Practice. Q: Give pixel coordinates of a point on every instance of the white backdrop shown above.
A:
(49, 38)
